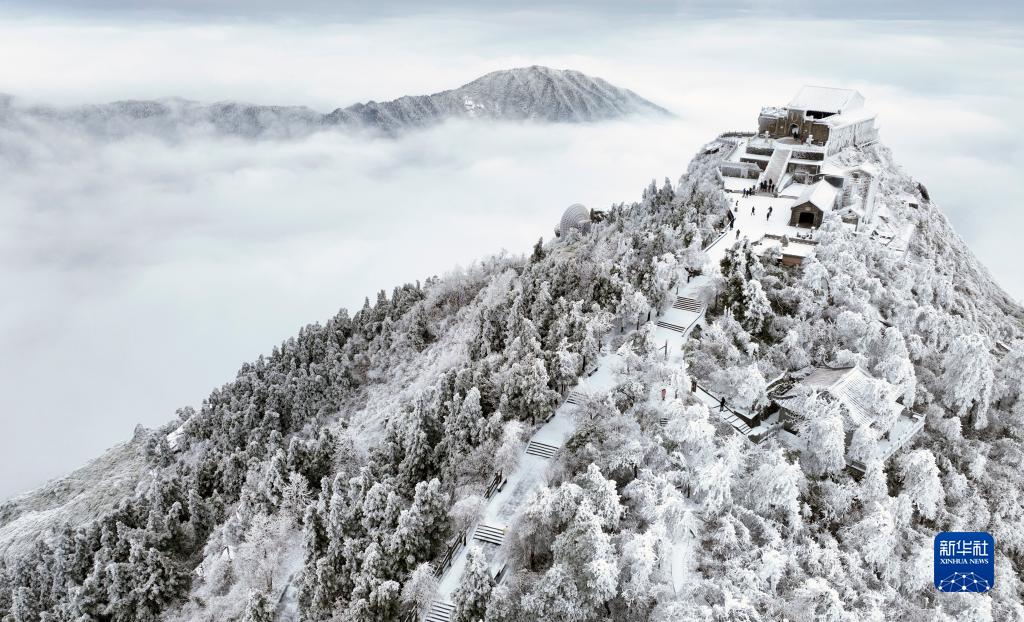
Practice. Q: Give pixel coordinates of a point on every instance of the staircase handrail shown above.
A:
(495, 483)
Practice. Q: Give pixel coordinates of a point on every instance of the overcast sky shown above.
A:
(350, 11)
(138, 275)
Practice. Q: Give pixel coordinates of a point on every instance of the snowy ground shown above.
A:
(671, 339)
(682, 558)
(737, 184)
(754, 226)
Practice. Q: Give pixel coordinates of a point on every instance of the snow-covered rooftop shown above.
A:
(826, 99)
(849, 118)
(821, 194)
(773, 111)
(793, 248)
(850, 386)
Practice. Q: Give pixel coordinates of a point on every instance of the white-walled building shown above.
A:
(821, 116)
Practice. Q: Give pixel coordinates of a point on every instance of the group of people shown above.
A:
(765, 185)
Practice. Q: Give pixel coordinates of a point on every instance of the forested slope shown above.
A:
(318, 482)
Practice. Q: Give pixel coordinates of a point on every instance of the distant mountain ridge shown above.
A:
(523, 94)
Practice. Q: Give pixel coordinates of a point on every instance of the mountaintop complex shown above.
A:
(756, 393)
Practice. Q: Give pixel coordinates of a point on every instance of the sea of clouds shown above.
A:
(137, 274)
(140, 273)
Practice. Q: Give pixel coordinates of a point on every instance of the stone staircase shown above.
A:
(857, 191)
(786, 180)
(440, 612)
(670, 326)
(730, 417)
(682, 303)
(777, 166)
(541, 450)
(688, 304)
(727, 414)
(489, 534)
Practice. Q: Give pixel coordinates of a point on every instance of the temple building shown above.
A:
(794, 141)
(862, 400)
(812, 204)
(821, 116)
(803, 164)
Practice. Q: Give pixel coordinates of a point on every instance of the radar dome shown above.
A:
(577, 217)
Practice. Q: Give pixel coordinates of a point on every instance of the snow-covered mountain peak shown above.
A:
(536, 93)
(522, 94)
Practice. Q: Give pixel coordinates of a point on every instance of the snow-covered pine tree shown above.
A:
(775, 486)
(474, 591)
(566, 366)
(586, 549)
(873, 535)
(464, 428)
(824, 435)
(921, 484)
(968, 378)
(258, 608)
(422, 529)
(863, 444)
(526, 394)
(716, 479)
(421, 588)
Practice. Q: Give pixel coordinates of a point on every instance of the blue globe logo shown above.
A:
(964, 582)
